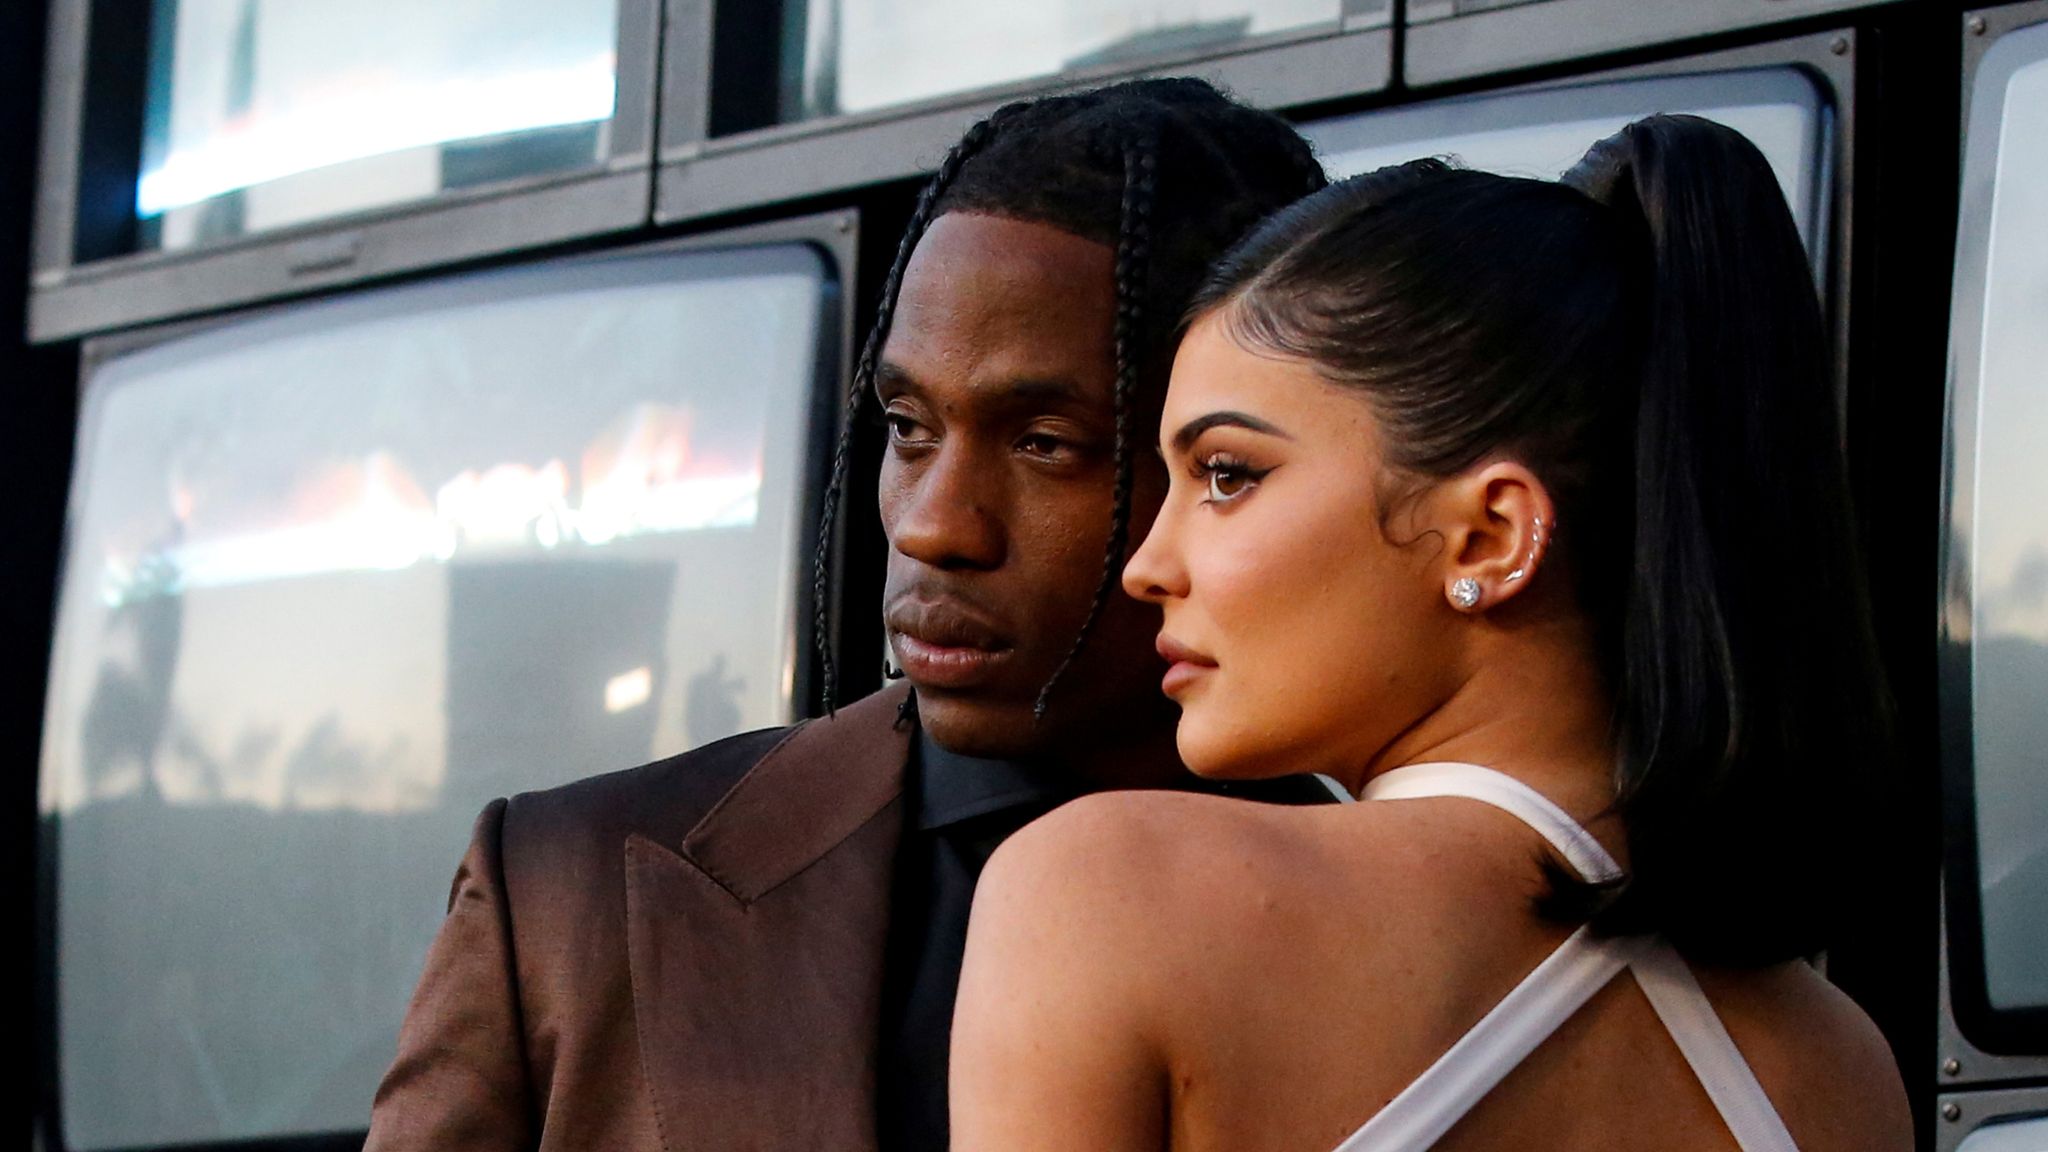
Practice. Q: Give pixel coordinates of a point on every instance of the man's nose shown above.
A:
(951, 514)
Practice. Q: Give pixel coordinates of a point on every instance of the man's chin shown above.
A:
(1000, 728)
(981, 727)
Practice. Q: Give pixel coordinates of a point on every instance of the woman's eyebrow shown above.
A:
(1201, 424)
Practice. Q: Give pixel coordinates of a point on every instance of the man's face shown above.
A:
(996, 489)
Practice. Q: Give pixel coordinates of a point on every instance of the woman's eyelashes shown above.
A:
(1225, 476)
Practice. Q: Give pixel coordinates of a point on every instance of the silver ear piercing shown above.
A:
(1465, 593)
(1535, 552)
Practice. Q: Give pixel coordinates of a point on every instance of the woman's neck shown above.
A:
(1532, 704)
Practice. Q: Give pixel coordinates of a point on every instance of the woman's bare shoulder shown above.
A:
(1825, 1064)
(1151, 874)
(1086, 940)
(1120, 844)
(1078, 937)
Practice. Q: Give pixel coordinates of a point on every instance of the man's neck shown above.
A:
(1152, 761)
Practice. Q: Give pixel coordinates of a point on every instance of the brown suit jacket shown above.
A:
(664, 959)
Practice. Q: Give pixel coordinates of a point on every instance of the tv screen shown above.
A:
(339, 576)
(848, 56)
(2001, 535)
(260, 115)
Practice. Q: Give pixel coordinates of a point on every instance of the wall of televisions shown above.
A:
(371, 349)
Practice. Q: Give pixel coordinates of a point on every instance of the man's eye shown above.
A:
(1042, 444)
(903, 429)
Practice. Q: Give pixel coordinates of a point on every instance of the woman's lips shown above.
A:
(1185, 666)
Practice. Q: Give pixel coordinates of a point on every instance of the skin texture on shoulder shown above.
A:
(1150, 970)
(1154, 970)
(1815, 1049)
(1084, 932)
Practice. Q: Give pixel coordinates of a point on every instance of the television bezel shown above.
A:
(71, 298)
(1445, 47)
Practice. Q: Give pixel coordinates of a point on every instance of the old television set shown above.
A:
(338, 573)
(1992, 616)
(808, 97)
(199, 154)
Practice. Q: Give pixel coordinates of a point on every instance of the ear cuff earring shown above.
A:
(1465, 593)
(1535, 552)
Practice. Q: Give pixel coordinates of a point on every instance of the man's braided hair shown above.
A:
(1170, 173)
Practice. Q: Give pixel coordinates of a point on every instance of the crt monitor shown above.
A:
(338, 576)
(260, 116)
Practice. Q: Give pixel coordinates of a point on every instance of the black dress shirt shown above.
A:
(960, 809)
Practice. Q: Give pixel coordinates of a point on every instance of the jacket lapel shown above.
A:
(757, 944)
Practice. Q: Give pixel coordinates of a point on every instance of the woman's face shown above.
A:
(1306, 631)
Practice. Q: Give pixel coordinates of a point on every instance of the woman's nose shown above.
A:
(1154, 573)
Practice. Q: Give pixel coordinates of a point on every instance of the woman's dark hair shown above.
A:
(1167, 172)
(1646, 337)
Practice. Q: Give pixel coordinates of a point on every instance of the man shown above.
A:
(756, 944)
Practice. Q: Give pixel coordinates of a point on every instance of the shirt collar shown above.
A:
(953, 787)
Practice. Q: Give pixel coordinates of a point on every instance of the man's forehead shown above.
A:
(995, 306)
(991, 271)
(1025, 249)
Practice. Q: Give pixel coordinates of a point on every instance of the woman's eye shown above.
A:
(1041, 444)
(1225, 484)
(1228, 479)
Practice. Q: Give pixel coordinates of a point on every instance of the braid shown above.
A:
(1168, 173)
(928, 200)
(1133, 257)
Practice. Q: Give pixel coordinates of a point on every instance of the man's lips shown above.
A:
(943, 643)
(1185, 665)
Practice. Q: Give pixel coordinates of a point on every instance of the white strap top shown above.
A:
(1558, 988)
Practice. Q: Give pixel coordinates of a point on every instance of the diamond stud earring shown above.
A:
(1465, 593)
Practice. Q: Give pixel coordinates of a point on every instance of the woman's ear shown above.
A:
(1498, 521)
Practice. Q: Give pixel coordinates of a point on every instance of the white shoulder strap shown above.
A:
(1471, 782)
(1435, 1102)
(1583, 965)
(1667, 981)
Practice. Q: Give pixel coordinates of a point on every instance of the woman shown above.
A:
(1517, 509)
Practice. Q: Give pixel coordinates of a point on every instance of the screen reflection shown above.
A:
(260, 115)
(858, 55)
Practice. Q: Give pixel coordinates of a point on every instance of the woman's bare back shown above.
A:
(1292, 970)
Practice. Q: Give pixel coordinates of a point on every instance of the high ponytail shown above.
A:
(1747, 690)
(1647, 338)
